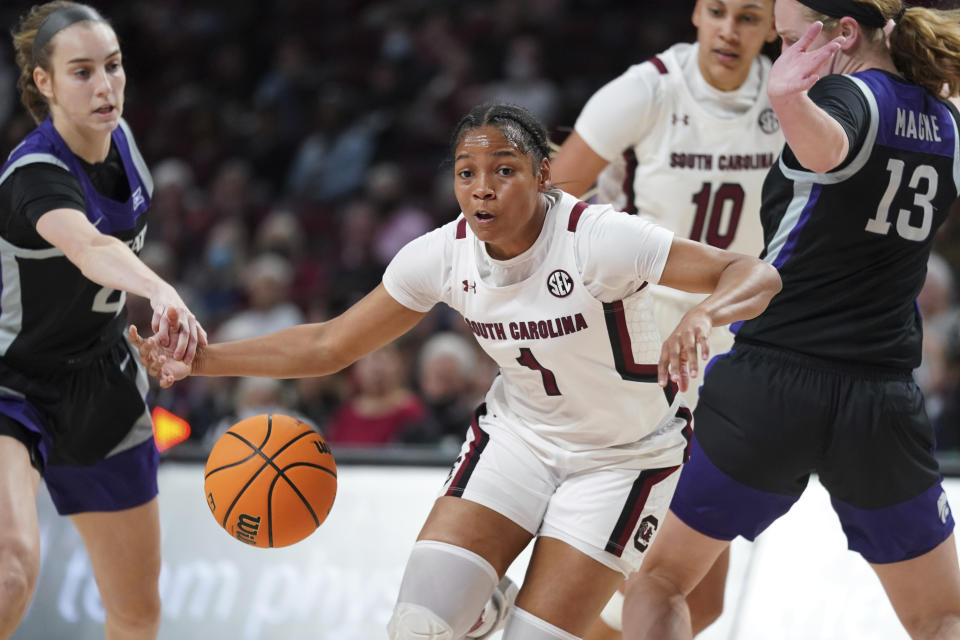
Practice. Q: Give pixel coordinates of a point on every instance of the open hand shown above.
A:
(799, 67)
(160, 361)
(679, 360)
(175, 326)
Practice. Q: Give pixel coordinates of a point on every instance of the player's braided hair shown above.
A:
(924, 43)
(518, 125)
(23, 36)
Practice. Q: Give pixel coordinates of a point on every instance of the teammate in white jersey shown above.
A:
(685, 139)
(581, 436)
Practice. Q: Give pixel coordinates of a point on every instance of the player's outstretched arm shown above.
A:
(740, 288)
(818, 141)
(306, 350)
(111, 263)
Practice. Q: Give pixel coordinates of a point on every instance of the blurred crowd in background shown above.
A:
(296, 145)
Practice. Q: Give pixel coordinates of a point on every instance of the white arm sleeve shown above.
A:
(416, 276)
(620, 114)
(618, 252)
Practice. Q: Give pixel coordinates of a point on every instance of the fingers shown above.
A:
(185, 335)
(673, 363)
(663, 365)
(162, 330)
(809, 36)
(818, 57)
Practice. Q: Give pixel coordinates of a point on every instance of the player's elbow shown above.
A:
(769, 283)
(821, 164)
(324, 355)
(824, 158)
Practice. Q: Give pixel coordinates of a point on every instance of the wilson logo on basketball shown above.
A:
(321, 446)
(559, 283)
(247, 528)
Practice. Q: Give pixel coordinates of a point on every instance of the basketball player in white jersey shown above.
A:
(580, 439)
(685, 139)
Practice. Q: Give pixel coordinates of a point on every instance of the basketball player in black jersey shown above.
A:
(73, 201)
(821, 381)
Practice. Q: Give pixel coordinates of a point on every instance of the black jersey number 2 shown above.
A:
(728, 196)
(549, 380)
(922, 174)
(102, 302)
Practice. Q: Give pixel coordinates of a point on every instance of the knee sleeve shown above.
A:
(523, 625)
(443, 592)
(413, 622)
(612, 614)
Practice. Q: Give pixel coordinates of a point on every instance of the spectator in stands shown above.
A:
(444, 374)
(382, 404)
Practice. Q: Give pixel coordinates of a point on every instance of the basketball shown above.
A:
(270, 480)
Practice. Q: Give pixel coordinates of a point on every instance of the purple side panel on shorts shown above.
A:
(900, 532)
(122, 481)
(716, 505)
(25, 413)
(711, 362)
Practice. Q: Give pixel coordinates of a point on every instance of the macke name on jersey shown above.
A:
(722, 161)
(529, 329)
(919, 126)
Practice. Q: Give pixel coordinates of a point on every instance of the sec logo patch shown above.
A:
(559, 283)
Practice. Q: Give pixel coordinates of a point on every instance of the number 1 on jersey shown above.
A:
(549, 380)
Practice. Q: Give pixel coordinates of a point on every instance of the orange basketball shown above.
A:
(270, 480)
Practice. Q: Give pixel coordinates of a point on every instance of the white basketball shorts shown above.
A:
(610, 512)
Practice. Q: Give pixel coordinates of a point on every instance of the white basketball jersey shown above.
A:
(574, 371)
(694, 172)
(681, 165)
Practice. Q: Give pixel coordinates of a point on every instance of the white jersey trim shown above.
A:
(858, 162)
(138, 160)
(33, 158)
(801, 197)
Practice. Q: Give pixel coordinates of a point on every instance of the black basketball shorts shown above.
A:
(88, 430)
(767, 419)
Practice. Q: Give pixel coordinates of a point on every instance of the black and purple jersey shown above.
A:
(852, 245)
(50, 313)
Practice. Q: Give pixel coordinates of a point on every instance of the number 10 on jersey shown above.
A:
(709, 216)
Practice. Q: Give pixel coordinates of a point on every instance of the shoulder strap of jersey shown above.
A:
(135, 156)
(660, 65)
(31, 158)
(858, 161)
(575, 214)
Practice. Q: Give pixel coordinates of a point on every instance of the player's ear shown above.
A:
(850, 30)
(44, 82)
(695, 18)
(543, 182)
